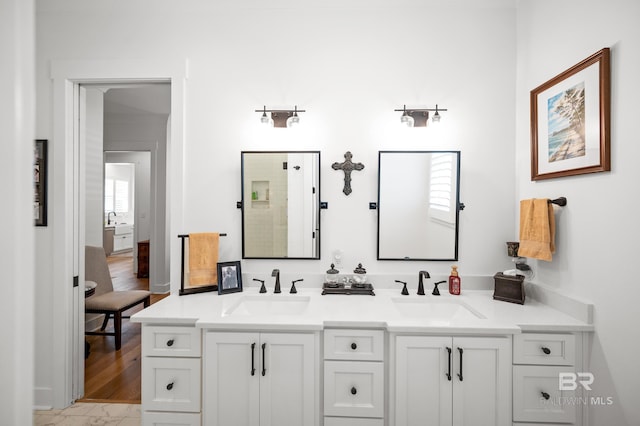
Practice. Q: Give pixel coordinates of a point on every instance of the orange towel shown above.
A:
(203, 258)
(537, 229)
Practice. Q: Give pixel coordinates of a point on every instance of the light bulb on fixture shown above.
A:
(264, 119)
(406, 119)
(294, 119)
(436, 116)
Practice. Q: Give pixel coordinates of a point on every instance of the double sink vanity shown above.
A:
(336, 360)
(374, 357)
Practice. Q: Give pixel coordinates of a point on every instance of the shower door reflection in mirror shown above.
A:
(418, 204)
(280, 204)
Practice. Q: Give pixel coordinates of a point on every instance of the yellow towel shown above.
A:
(203, 258)
(537, 229)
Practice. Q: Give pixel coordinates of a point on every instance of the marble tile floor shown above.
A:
(90, 414)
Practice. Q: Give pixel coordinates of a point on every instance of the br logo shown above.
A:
(569, 381)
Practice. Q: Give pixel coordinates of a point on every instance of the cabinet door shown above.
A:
(231, 379)
(422, 387)
(482, 381)
(288, 386)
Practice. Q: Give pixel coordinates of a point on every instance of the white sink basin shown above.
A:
(123, 228)
(268, 305)
(437, 310)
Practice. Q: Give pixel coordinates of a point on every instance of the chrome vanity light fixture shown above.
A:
(280, 117)
(419, 117)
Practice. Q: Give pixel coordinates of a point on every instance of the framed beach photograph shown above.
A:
(570, 121)
(40, 183)
(229, 277)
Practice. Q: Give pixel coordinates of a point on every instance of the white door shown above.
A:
(231, 379)
(482, 381)
(287, 380)
(423, 381)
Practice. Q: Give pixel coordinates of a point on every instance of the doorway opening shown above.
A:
(126, 131)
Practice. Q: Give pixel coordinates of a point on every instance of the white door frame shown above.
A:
(68, 258)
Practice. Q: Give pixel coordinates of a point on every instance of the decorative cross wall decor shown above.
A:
(347, 166)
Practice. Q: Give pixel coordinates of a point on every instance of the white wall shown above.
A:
(596, 242)
(94, 170)
(349, 64)
(17, 112)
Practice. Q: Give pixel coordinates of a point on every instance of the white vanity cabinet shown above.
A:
(260, 379)
(539, 360)
(444, 381)
(354, 377)
(171, 375)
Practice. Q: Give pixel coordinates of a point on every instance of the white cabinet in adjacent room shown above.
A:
(260, 379)
(444, 381)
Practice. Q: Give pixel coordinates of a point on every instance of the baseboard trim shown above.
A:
(160, 288)
(43, 398)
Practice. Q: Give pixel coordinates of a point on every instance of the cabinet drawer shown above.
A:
(353, 389)
(361, 345)
(171, 384)
(170, 341)
(170, 419)
(529, 402)
(547, 349)
(350, 421)
(122, 242)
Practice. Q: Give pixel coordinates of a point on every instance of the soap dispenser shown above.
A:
(454, 281)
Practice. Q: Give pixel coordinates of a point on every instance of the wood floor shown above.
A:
(110, 375)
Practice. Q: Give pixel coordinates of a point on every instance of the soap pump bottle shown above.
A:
(454, 281)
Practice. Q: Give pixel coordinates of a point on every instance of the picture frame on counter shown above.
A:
(229, 277)
(570, 121)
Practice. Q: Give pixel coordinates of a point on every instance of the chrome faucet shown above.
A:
(422, 274)
(109, 217)
(276, 273)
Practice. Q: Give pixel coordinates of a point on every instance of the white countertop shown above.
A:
(209, 311)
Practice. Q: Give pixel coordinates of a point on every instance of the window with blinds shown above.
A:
(116, 196)
(442, 197)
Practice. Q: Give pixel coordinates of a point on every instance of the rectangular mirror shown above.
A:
(418, 205)
(281, 205)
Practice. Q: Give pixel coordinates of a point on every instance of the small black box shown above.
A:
(509, 288)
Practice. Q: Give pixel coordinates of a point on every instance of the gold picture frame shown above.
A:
(570, 121)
